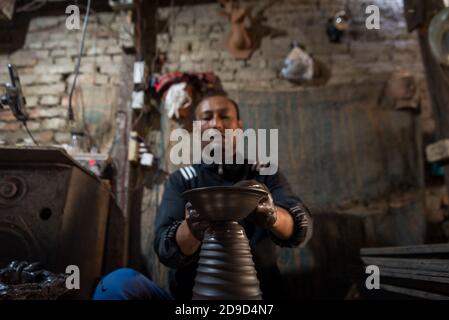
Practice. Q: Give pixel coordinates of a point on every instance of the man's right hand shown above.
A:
(196, 224)
(191, 231)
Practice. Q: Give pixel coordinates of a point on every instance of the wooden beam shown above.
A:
(418, 13)
(436, 74)
(440, 265)
(413, 292)
(424, 275)
(414, 14)
(145, 43)
(407, 250)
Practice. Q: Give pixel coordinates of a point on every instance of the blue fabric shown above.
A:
(128, 284)
(437, 170)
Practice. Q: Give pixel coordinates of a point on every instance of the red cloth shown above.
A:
(165, 81)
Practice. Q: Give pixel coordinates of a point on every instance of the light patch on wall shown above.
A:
(99, 105)
(388, 6)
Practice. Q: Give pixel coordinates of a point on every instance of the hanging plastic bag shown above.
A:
(298, 66)
(176, 99)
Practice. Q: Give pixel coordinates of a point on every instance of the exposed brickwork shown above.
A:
(46, 66)
(194, 41)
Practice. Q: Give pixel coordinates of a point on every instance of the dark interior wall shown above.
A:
(356, 165)
(339, 151)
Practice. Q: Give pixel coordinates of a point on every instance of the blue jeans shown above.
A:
(128, 284)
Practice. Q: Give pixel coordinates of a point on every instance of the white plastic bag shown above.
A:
(298, 66)
(176, 97)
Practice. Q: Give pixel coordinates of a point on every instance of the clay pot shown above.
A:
(225, 269)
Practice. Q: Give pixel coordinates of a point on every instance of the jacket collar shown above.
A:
(227, 171)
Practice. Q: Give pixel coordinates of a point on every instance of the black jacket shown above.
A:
(170, 215)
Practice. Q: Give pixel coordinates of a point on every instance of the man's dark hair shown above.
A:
(218, 93)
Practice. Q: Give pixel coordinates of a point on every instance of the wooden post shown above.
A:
(419, 14)
(145, 43)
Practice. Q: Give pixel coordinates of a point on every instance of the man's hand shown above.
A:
(196, 224)
(265, 214)
(191, 231)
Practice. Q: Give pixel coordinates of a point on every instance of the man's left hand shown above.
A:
(265, 214)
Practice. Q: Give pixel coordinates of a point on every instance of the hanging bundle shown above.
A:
(298, 66)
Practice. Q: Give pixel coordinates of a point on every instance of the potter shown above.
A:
(213, 147)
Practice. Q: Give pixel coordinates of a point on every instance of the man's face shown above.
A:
(218, 113)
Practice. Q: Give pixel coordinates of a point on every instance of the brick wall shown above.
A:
(194, 41)
(46, 66)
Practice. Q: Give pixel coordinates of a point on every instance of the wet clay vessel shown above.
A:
(225, 269)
